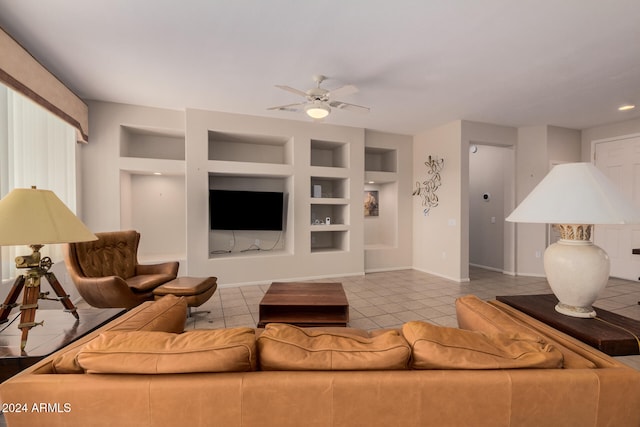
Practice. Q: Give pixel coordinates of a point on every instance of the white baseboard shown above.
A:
(453, 279)
(288, 279)
(382, 270)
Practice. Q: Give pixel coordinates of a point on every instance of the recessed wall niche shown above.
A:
(329, 241)
(154, 206)
(337, 214)
(225, 243)
(238, 147)
(380, 159)
(381, 230)
(151, 143)
(329, 154)
(329, 187)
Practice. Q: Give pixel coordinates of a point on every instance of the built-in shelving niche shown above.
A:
(329, 196)
(329, 240)
(149, 143)
(381, 165)
(380, 159)
(329, 188)
(329, 154)
(329, 199)
(248, 148)
(152, 191)
(227, 243)
(329, 214)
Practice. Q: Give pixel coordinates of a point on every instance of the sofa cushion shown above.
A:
(168, 314)
(145, 352)
(438, 347)
(287, 347)
(477, 315)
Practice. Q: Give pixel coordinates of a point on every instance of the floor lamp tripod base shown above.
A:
(29, 282)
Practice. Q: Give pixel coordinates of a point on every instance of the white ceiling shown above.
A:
(417, 64)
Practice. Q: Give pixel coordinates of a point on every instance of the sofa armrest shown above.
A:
(170, 268)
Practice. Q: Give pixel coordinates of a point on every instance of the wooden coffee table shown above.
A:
(305, 304)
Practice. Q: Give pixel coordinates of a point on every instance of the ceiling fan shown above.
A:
(320, 101)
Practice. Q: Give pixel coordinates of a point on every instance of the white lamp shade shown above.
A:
(30, 216)
(575, 193)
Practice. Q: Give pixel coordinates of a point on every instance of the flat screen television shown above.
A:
(245, 210)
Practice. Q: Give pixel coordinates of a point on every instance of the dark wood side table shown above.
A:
(609, 332)
(304, 304)
(59, 329)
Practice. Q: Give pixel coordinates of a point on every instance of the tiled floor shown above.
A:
(389, 299)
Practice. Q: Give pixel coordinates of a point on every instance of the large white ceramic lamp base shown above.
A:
(577, 271)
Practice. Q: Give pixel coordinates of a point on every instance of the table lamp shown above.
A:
(29, 216)
(573, 197)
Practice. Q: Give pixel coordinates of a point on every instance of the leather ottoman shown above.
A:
(195, 290)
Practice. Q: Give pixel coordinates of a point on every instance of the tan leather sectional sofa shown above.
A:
(501, 368)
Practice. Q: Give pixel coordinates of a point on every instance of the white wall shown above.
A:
(563, 145)
(532, 162)
(538, 148)
(437, 237)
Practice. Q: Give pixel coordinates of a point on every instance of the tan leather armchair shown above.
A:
(107, 273)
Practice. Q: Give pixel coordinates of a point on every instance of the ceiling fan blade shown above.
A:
(342, 91)
(351, 107)
(292, 90)
(288, 107)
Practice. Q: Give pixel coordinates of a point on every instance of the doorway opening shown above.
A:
(491, 199)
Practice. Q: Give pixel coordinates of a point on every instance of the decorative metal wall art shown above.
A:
(427, 188)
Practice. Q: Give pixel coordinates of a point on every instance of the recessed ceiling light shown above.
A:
(371, 182)
(626, 107)
(157, 173)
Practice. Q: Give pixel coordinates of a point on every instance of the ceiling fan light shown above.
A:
(318, 110)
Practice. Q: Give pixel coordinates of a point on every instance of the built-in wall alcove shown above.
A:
(329, 187)
(240, 147)
(329, 241)
(329, 154)
(248, 241)
(152, 190)
(154, 205)
(151, 143)
(380, 159)
(381, 226)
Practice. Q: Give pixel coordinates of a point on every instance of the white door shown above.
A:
(620, 161)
